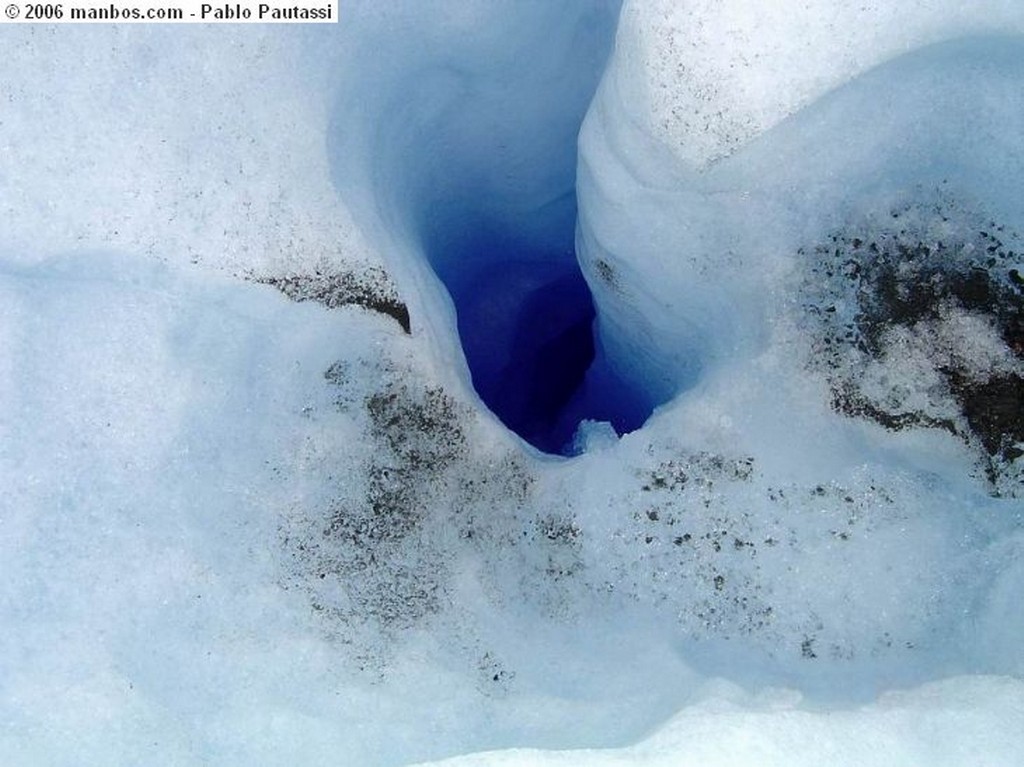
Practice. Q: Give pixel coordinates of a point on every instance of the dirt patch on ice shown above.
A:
(919, 322)
(368, 287)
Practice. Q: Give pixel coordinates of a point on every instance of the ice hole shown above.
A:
(473, 141)
(497, 222)
(525, 320)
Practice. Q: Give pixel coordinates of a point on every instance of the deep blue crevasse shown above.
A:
(525, 319)
(467, 142)
(526, 322)
(496, 217)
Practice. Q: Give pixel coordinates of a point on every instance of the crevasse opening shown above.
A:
(481, 142)
(525, 320)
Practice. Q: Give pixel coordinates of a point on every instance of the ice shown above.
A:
(239, 528)
(180, 145)
(705, 78)
(948, 723)
(723, 240)
(473, 180)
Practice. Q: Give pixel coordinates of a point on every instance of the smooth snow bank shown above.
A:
(703, 77)
(967, 720)
(184, 144)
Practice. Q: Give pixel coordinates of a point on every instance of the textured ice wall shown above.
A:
(687, 173)
(735, 161)
(706, 77)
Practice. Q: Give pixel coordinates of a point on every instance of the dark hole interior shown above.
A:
(526, 322)
(550, 347)
(473, 144)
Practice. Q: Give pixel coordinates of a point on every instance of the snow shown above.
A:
(239, 528)
(724, 239)
(705, 78)
(194, 146)
(954, 722)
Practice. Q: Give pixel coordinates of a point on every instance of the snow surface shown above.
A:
(955, 722)
(236, 528)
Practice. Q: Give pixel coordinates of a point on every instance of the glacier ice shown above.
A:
(647, 208)
(238, 528)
